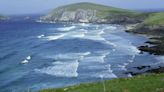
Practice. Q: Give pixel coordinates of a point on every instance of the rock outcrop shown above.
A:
(80, 15)
(94, 13)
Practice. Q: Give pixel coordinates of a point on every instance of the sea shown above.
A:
(36, 55)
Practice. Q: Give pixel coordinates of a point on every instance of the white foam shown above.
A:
(61, 69)
(132, 59)
(110, 43)
(83, 31)
(78, 35)
(104, 72)
(94, 37)
(82, 24)
(101, 32)
(75, 34)
(97, 36)
(160, 60)
(25, 61)
(28, 58)
(96, 58)
(86, 53)
(66, 28)
(125, 47)
(109, 68)
(69, 56)
(40, 36)
(55, 37)
(110, 28)
(122, 67)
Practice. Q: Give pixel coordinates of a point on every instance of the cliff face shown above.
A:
(88, 12)
(80, 15)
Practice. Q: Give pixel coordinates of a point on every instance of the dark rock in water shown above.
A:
(138, 70)
(158, 70)
(145, 69)
(142, 67)
(156, 50)
(156, 33)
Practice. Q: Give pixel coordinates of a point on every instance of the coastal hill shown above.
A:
(89, 12)
(153, 27)
(155, 19)
(152, 24)
(2, 17)
(141, 83)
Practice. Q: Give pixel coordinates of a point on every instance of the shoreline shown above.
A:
(153, 46)
(143, 48)
(155, 72)
(148, 73)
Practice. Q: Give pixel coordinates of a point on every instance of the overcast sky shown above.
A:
(36, 6)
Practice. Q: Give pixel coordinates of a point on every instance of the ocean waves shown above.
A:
(61, 69)
(67, 54)
(74, 62)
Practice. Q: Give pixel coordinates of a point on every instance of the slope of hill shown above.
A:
(153, 26)
(155, 19)
(89, 12)
(141, 83)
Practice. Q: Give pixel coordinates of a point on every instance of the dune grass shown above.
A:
(141, 83)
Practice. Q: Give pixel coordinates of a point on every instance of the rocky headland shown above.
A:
(92, 13)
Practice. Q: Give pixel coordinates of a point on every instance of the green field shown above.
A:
(141, 83)
(155, 19)
(102, 10)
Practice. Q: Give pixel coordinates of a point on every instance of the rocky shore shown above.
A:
(153, 28)
(156, 38)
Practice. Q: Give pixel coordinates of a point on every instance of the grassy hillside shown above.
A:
(152, 26)
(142, 83)
(103, 11)
(155, 19)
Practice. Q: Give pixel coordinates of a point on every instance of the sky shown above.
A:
(10, 7)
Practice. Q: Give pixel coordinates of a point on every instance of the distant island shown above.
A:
(3, 18)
